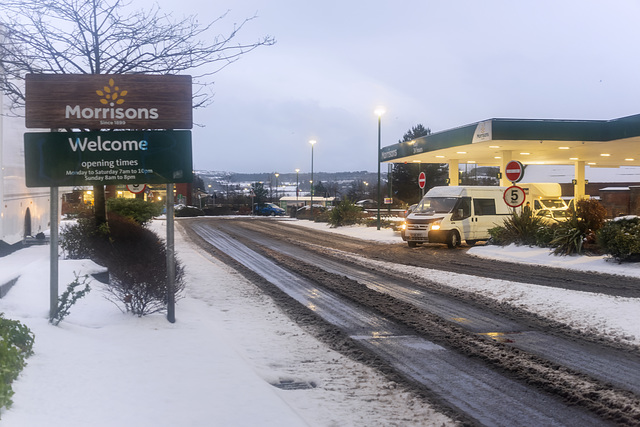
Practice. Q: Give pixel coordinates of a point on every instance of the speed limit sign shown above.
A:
(136, 188)
(514, 196)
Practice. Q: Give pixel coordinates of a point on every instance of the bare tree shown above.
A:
(95, 37)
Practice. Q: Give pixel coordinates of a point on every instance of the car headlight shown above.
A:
(403, 226)
(435, 225)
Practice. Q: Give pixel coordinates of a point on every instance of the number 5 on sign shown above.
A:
(514, 196)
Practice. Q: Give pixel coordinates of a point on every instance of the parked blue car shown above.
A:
(269, 209)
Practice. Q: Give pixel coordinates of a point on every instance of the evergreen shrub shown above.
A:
(620, 238)
(346, 213)
(139, 210)
(16, 344)
(578, 233)
(188, 211)
(521, 228)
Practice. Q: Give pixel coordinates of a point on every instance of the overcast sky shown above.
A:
(442, 64)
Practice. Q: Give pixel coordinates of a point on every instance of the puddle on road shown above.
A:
(503, 337)
(294, 385)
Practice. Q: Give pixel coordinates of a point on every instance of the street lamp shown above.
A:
(277, 175)
(297, 181)
(312, 142)
(379, 111)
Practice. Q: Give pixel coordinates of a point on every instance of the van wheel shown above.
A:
(412, 244)
(453, 239)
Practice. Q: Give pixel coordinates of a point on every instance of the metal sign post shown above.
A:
(53, 253)
(171, 266)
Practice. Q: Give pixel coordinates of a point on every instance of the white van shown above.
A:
(545, 200)
(452, 214)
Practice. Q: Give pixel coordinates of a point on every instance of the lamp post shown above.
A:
(379, 111)
(297, 185)
(277, 175)
(312, 142)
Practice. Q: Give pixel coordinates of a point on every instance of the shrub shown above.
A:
(522, 228)
(69, 298)
(591, 213)
(569, 237)
(346, 213)
(78, 240)
(306, 213)
(135, 257)
(16, 344)
(188, 211)
(621, 239)
(139, 210)
(579, 231)
(321, 216)
(372, 221)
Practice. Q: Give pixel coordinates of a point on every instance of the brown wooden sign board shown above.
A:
(108, 101)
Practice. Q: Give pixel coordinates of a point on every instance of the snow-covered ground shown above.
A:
(216, 365)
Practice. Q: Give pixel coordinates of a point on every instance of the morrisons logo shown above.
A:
(110, 97)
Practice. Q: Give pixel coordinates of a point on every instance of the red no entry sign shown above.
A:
(422, 180)
(514, 171)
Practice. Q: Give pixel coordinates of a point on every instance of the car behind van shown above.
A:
(269, 209)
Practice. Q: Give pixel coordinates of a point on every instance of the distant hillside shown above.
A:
(234, 177)
(339, 181)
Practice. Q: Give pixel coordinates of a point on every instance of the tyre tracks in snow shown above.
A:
(495, 370)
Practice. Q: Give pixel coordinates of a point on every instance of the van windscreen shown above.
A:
(436, 205)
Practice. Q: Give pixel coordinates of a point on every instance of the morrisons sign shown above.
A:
(60, 159)
(105, 101)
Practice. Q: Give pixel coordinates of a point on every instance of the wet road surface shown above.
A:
(483, 393)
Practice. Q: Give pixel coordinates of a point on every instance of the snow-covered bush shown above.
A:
(620, 238)
(188, 211)
(141, 211)
(346, 213)
(135, 257)
(137, 262)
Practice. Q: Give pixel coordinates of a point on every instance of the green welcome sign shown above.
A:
(61, 159)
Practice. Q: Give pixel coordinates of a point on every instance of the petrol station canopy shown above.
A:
(495, 142)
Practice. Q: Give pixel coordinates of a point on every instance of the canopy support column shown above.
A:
(454, 173)
(579, 184)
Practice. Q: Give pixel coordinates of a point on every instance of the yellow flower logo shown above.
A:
(111, 94)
